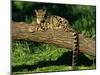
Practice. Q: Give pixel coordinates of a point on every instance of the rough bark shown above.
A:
(60, 38)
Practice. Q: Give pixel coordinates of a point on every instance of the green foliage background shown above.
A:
(82, 17)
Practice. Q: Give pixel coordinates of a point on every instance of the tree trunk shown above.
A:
(21, 30)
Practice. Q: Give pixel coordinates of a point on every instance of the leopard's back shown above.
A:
(57, 22)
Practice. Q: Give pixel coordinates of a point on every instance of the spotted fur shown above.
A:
(57, 22)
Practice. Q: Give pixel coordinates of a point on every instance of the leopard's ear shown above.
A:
(45, 11)
(35, 11)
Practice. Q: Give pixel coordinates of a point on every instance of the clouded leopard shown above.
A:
(56, 22)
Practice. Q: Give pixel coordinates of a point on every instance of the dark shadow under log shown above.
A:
(60, 38)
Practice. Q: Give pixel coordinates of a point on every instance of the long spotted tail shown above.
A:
(75, 49)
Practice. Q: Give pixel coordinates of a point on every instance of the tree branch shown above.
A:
(21, 30)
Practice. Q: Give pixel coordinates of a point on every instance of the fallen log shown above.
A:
(21, 30)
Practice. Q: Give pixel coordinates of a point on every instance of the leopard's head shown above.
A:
(40, 15)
